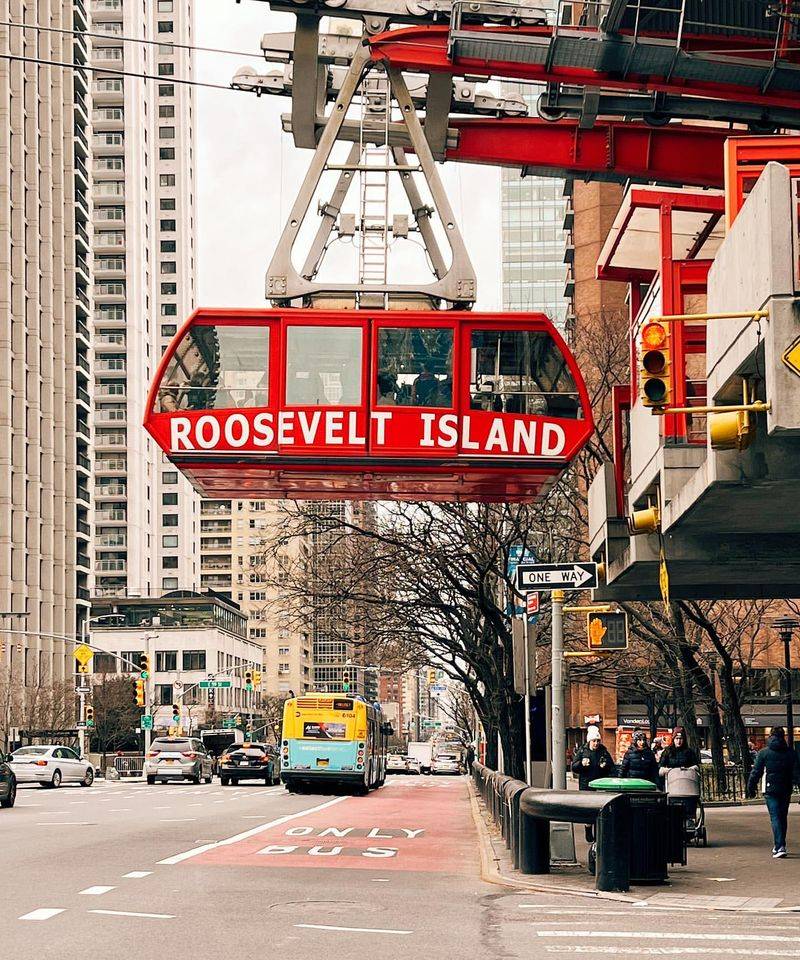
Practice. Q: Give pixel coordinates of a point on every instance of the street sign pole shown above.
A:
(528, 771)
(558, 722)
(81, 730)
(148, 701)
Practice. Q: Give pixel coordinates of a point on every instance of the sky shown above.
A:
(248, 171)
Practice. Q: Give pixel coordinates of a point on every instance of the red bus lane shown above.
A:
(422, 825)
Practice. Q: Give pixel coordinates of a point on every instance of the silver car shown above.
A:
(178, 758)
(51, 765)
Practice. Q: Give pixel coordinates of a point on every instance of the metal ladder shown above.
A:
(376, 108)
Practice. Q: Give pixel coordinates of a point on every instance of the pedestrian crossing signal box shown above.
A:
(607, 631)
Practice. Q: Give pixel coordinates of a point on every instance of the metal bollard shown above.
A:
(614, 847)
(534, 844)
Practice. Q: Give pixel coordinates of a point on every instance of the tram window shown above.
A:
(520, 371)
(323, 366)
(415, 367)
(216, 368)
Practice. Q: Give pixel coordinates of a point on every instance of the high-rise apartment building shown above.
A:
(236, 561)
(146, 514)
(45, 377)
(534, 243)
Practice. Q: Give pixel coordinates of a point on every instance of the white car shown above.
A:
(51, 766)
(446, 763)
(396, 763)
(413, 765)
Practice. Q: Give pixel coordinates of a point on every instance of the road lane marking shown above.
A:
(95, 891)
(65, 823)
(380, 879)
(177, 820)
(137, 874)
(323, 926)
(129, 913)
(657, 935)
(673, 951)
(581, 913)
(195, 851)
(43, 913)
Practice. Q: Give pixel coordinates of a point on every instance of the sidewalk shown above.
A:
(735, 872)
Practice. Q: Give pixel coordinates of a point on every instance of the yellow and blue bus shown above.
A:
(333, 739)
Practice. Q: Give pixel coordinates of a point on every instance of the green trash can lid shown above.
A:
(621, 783)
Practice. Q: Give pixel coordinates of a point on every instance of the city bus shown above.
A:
(333, 740)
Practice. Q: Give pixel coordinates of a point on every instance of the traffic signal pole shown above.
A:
(558, 721)
(148, 699)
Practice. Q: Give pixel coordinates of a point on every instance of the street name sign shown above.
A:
(547, 577)
(229, 723)
(215, 684)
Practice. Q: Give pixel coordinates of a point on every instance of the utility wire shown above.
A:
(119, 37)
(72, 65)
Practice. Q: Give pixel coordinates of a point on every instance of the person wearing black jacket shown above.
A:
(778, 763)
(679, 756)
(639, 761)
(592, 760)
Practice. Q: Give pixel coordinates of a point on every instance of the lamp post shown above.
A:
(786, 627)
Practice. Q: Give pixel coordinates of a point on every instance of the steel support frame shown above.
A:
(284, 283)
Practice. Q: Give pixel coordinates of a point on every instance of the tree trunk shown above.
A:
(737, 735)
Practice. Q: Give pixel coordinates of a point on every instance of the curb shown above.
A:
(491, 872)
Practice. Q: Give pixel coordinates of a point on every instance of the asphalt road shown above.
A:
(205, 873)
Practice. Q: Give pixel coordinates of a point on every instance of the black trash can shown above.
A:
(652, 829)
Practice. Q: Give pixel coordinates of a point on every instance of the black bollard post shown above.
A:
(534, 844)
(614, 847)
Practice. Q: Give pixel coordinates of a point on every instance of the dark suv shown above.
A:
(249, 761)
(8, 784)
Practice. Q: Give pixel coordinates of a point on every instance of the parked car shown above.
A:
(446, 763)
(413, 766)
(249, 761)
(51, 765)
(183, 758)
(395, 763)
(8, 784)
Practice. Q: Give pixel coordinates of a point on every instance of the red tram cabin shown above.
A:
(417, 405)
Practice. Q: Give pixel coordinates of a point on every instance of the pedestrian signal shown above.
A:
(607, 631)
(654, 375)
(138, 692)
(144, 666)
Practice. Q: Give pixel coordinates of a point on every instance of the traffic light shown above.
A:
(89, 716)
(256, 678)
(144, 666)
(176, 713)
(138, 692)
(607, 631)
(345, 682)
(431, 677)
(248, 679)
(654, 375)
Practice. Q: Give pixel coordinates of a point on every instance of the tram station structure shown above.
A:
(678, 100)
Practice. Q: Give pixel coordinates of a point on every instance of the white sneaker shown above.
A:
(780, 853)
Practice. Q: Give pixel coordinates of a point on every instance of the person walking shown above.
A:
(469, 758)
(680, 756)
(592, 760)
(778, 763)
(639, 761)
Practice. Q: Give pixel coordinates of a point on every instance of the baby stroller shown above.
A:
(683, 785)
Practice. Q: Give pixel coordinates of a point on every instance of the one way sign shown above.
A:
(556, 576)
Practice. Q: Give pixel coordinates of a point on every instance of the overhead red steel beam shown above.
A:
(424, 49)
(677, 154)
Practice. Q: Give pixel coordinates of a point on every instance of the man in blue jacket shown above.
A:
(779, 764)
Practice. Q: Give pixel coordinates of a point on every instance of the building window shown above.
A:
(283, 668)
(169, 476)
(166, 133)
(132, 657)
(168, 226)
(169, 309)
(258, 633)
(169, 266)
(169, 541)
(167, 203)
(165, 26)
(104, 663)
(166, 180)
(164, 694)
(169, 563)
(169, 499)
(166, 153)
(166, 70)
(166, 89)
(169, 583)
(166, 110)
(194, 659)
(165, 6)
(169, 289)
(168, 329)
(168, 246)
(166, 660)
(283, 651)
(170, 520)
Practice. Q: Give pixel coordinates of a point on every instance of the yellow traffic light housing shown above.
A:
(89, 716)
(138, 692)
(144, 666)
(248, 679)
(654, 374)
(256, 678)
(176, 713)
(431, 677)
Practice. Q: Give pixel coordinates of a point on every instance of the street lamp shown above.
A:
(786, 627)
